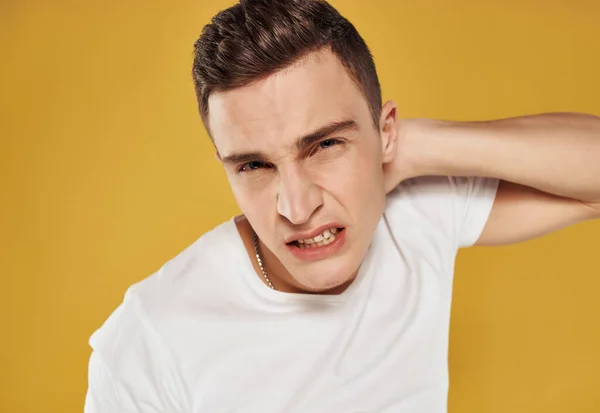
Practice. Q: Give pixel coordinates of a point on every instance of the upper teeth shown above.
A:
(324, 235)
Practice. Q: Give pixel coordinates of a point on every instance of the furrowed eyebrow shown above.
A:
(239, 158)
(300, 145)
(307, 141)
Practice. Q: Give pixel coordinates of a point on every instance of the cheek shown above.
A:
(356, 180)
(253, 199)
(243, 195)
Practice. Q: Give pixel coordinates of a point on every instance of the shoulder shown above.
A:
(137, 350)
(453, 207)
(438, 187)
(431, 192)
(194, 278)
(195, 271)
(131, 364)
(420, 196)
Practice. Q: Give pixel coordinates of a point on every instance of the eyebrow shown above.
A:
(301, 144)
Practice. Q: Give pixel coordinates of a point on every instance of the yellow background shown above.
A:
(106, 172)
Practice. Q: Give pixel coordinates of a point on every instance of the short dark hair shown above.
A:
(255, 38)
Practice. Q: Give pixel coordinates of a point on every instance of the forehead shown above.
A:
(271, 113)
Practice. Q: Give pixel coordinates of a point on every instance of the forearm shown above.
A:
(557, 153)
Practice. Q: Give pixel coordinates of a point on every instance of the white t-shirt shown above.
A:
(205, 334)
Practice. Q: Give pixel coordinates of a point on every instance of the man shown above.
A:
(331, 293)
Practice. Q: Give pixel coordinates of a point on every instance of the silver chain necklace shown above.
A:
(260, 264)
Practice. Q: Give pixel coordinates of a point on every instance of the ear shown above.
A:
(388, 131)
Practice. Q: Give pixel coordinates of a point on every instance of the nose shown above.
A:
(298, 197)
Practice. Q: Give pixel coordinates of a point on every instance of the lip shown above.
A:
(318, 253)
(314, 233)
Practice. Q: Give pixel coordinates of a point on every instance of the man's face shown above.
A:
(303, 158)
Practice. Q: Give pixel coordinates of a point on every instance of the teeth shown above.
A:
(326, 237)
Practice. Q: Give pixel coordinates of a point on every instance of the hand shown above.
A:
(413, 150)
(402, 166)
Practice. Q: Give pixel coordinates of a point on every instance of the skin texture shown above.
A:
(284, 189)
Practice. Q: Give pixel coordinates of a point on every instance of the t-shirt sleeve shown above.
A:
(100, 397)
(128, 369)
(453, 209)
(473, 201)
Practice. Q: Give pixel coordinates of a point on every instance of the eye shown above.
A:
(251, 166)
(328, 143)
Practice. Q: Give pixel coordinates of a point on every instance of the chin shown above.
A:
(329, 273)
(326, 280)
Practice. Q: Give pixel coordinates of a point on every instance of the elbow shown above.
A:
(593, 209)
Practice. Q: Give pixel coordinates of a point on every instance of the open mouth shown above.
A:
(324, 238)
